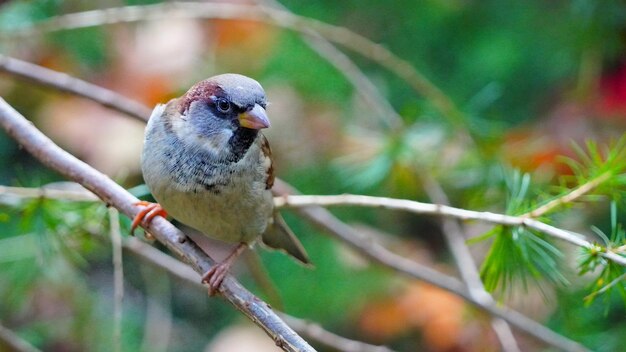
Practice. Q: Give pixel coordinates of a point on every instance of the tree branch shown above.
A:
(13, 342)
(443, 210)
(69, 84)
(372, 250)
(454, 234)
(114, 195)
(49, 192)
(183, 272)
(118, 277)
(325, 220)
(345, 66)
(342, 36)
(379, 254)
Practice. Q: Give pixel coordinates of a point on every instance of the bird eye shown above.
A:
(223, 105)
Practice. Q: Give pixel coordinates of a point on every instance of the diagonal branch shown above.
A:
(349, 69)
(114, 195)
(313, 331)
(325, 220)
(454, 234)
(342, 36)
(13, 342)
(69, 84)
(379, 254)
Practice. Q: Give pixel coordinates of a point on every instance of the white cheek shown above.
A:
(186, 132)
(217, 141)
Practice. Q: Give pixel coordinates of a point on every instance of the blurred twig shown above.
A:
(454, 234)
(118, 278)
(342, 36)
(69, 84)
(74, 195)
(158, 326)
(329, 339)
(183, 272)
(379, 254)
(443, 210)
(13, 342)
(345, 66)
(262, 278)
(114, 195)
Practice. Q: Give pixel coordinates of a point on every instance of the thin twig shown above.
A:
(158, 325)
(113, 194)
(607, 287)
(345, 66)
(13, 342)
(74, 195)
(184, 273)
(329, 339)
(570, 196)
(260, 275)
(443, 210)
(118, 277)
(325, 220)
(342, 36)
(454, 234)
(69, 84)
(379, 254)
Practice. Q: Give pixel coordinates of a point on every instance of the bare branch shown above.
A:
(114, 195)
(454, 233)
(377, 253)
(118, 277)
(443, 210)
(330, 339)
(342, 36)
(69, 84)
(183, 272)
(13, 342)
(49, 192)
(361, 83)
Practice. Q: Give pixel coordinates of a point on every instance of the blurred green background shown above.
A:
(528, 77)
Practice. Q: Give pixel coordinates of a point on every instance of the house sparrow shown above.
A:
(209, 166)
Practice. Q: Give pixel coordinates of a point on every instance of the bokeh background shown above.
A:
(528, 78)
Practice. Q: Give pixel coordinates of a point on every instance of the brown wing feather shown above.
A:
(267, 152)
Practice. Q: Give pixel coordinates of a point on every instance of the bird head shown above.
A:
(223, 104)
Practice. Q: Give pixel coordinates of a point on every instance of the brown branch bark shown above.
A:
(114, 195)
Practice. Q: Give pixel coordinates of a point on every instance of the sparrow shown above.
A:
(208, 165)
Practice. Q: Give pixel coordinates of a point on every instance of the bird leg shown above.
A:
(147, 214)
(217, 272)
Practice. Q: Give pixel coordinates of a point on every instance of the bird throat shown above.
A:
(240, 142)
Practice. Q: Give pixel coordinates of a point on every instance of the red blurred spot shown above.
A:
(612, 98)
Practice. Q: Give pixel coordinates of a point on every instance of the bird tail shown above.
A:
(279, 236)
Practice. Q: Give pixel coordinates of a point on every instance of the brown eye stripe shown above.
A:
(203, 91)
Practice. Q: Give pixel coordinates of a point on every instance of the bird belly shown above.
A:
(223, 216)
(225, 201)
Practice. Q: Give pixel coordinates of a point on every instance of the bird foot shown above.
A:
(146, 214)
(216, 274)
